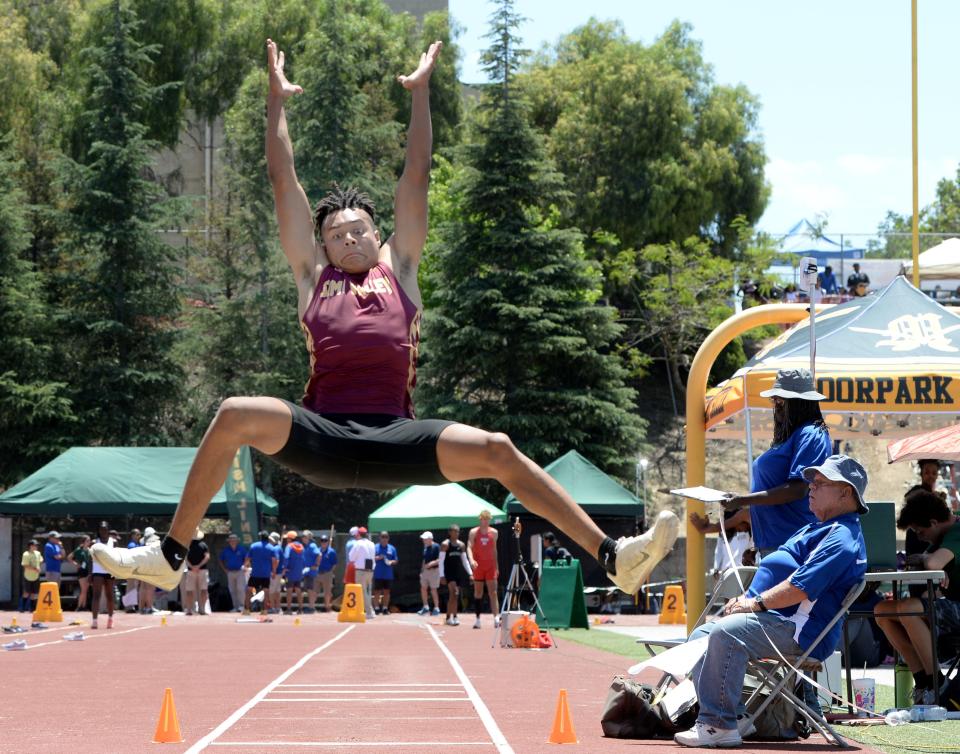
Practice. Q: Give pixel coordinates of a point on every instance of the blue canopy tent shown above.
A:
(802, 241)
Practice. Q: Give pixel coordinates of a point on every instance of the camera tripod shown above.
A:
(518, 583)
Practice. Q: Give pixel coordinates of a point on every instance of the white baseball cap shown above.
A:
(354, 530)
(427, 535)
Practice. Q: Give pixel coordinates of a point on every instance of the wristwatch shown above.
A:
(758, 601)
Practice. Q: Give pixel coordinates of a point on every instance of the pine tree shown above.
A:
(516, 338)
(119, 286)
(34, 409)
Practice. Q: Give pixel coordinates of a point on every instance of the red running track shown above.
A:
(398, 682)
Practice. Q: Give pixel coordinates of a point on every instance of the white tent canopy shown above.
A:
(939, 262)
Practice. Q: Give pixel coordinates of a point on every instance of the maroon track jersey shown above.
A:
(363, 335)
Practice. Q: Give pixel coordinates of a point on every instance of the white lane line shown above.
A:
(496, 735)
(373, 700)
(351, 744)
(105, 635)
(231, 721)
(357, 685)
(457, 690)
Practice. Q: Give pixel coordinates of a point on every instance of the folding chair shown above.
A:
(727, 586)
(768, 674)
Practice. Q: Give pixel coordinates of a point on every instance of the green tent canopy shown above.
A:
(111, 482)
(419, 507)
(595, 492)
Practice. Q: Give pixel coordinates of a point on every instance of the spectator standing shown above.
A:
(361, 555)
(32, 561)
(276, 579)
(293, 569)
(737, 526)
(430, 574)
(857, 279)
(927, 514)
(53, 556)
(482, 554)
(147, 590)
(196, 579)
(232, 558)
(262, 561)
(778, 500)
(827, 282)
(102, 579)
(796, 591)
(82, 560)
(311, 564)
(133, 585)
(454, 572)
(385, 558)
(349, 576)
(328, 559)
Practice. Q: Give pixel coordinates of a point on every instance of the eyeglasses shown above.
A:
(816, 485)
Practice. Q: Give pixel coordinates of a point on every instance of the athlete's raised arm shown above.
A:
(410, 202)
(293, 210)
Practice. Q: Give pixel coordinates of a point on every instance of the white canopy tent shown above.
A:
(939, 262)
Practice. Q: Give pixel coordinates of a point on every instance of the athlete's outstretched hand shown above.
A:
(278, 80)
(421, 76)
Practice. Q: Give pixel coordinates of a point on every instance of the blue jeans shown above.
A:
(733, 640)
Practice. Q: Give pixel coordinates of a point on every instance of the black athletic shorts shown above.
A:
(371, 451)
(383, 583)
(258, 582)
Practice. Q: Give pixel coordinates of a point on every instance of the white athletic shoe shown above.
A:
(143, 563)
(455, 620)
(449, 621)
(15, 645)
(476, 623)
(638, 556)
(708, 737)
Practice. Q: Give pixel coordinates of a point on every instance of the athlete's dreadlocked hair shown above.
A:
(338, 199)
(797, 412)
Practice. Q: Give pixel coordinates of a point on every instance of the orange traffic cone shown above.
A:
(563, 732)
(168, 726)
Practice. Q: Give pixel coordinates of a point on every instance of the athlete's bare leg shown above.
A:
(492, 596)
(468, 453)
(262, 423)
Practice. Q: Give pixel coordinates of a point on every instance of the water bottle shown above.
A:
(903, 685)
(897, 717)
(927, 713)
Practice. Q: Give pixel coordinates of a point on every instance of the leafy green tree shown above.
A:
(654, 151)
(941, 216)
(517, 339)
(34, 409)
(118, 283)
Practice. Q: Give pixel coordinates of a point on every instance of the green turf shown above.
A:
(607, 641)
(916, 738)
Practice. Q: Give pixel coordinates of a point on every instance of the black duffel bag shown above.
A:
(629, 712)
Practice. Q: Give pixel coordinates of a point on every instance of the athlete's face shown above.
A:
(350, 240)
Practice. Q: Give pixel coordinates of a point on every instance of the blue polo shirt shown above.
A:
(311, 552)
(328, 559)
(293, 562)
(380, 569)
(824, 560)
(772, 525)
(231, 559)
(50, 563)
(261, 556)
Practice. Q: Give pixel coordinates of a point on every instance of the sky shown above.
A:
(833, 79)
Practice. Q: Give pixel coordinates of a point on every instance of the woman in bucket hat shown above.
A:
(778, 499)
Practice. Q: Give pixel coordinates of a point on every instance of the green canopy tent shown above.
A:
(113, 481)
(595, 492)
(419, 507)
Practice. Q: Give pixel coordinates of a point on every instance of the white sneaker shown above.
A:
(476, 623)
(496, 622)
(449, 621)
(143, 563)
(76, 636)
(456, 620)
(638, 556)
(16, 644)
(707, 737)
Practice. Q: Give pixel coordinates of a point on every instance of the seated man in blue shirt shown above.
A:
(797, 590)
